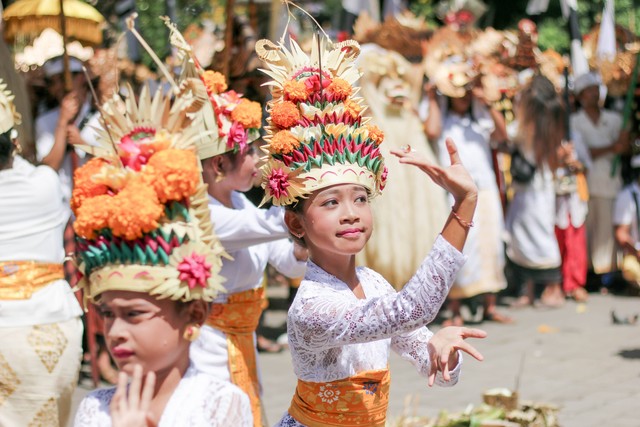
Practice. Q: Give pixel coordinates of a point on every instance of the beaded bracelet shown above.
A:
(465, 224)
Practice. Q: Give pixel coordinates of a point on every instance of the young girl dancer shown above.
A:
(324, 165)
(253, 237)
(151, 261)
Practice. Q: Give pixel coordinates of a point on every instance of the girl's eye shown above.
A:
(362, 199)
(105, 313)
(134, 313)
(330, 202)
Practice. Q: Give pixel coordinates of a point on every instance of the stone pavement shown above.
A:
(577, 359)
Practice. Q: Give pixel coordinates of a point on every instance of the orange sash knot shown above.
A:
(356, 401)
(20, 279)
(239, 318)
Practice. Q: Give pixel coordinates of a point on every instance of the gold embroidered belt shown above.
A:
(20, 279)
(238, 318)
(356, 401)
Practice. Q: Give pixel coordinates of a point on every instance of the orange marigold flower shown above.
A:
(284, 142)
(84, 186)
(295, 91)
(214, 81)
(93, 215)
(135, 210)
(352, 108)
(173, 174)
(340, 88)
(285, 114)
(375, 134)
(248, 114)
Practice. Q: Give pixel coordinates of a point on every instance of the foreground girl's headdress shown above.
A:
(9, 116)
(237, 119)
(142, 219)
(317, 134)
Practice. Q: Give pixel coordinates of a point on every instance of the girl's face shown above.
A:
(336, 221)
(243, 172)
(462, 105)
(140, 329)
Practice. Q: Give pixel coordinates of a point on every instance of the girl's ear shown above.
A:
(218, 165)
(198, 311)
(294, 223)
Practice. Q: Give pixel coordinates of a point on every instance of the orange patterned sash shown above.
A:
(239, 318)
(20, 279)
(356, 401)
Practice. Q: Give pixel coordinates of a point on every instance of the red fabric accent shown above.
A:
(573, 250)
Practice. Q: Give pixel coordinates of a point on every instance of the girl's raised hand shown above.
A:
(455, 178)
(132, 409)
(444, 346)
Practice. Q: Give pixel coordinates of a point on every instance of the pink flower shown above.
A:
(383, 178)
(237, 135)
(313, 83)
(195, 270)
(277, 183)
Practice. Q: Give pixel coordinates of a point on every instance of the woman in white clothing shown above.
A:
(40, 326)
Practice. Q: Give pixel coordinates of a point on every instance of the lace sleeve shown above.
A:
(414, 347)
(230, 407)
(329, 319)
(93, 410)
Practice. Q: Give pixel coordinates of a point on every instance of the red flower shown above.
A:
(277, 183)
(195, 270)
(237, 135)
(313, 83)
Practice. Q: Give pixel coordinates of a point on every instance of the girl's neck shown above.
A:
(221, 194)
(167, 381)
(342, 267)
(593, 112)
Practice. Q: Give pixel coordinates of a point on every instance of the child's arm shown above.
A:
(456, 180)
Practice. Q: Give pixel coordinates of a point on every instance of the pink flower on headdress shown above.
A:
(313, 83)
(195, 270)
(277, 183)
(383, 178)
(237, 135)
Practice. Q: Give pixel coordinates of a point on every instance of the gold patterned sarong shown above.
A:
(238, 318)
(356, 401)
(20, 279)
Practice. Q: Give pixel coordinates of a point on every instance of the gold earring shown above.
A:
(192, 332)
(18, 148)
(219, 177)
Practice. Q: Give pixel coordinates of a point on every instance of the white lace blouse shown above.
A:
(334, 335)
(199, 401)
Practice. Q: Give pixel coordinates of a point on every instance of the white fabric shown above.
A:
(570, 209)
(200, 400)
(530, 223)
(334, 335)
(32, 221)
(598, 135)
(45, 138)
(254, 238)
(624, 212)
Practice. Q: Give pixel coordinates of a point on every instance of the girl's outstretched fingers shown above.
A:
(454, 156)
(444, 346)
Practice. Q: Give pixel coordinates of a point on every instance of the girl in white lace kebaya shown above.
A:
(151, 262)
(324, 165)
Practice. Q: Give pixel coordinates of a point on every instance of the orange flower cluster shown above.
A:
(285, 114)
(173, 174)
(340, 88)
(84, 186)
(93, 215)
(214, 81)
(284, 142)
(375, 134)
(352, 108)
(248, 114)
(295, 91)
(135, 210)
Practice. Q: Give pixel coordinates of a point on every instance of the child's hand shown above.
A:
(455, 178)
(444, 346)
(132, 409)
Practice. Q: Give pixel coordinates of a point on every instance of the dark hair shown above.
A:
(542, 106)
(6, 147)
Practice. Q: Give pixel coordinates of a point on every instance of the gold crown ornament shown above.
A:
(237, 119)
(142, 220)
(317, 134)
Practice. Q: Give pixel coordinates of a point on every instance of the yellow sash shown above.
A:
(357, 401)
(239, 318)
(20, 279)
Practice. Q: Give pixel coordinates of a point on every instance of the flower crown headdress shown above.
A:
(317, 134)
(142, 220)
(237, 119)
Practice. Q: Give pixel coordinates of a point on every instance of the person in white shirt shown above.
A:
(625, 223)
(40, 326)
(600, 130)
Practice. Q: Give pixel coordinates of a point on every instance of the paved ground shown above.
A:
(574, 357)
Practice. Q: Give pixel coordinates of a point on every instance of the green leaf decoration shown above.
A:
(376, 164)
(351, 157)
(370, 162)
(329, 158)
(162, 255)
(316, 161)
(139, 254)
(153, 258)
(105, 252)
(127, 255)
(97, 255)
(116, 254)
(339, 157)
